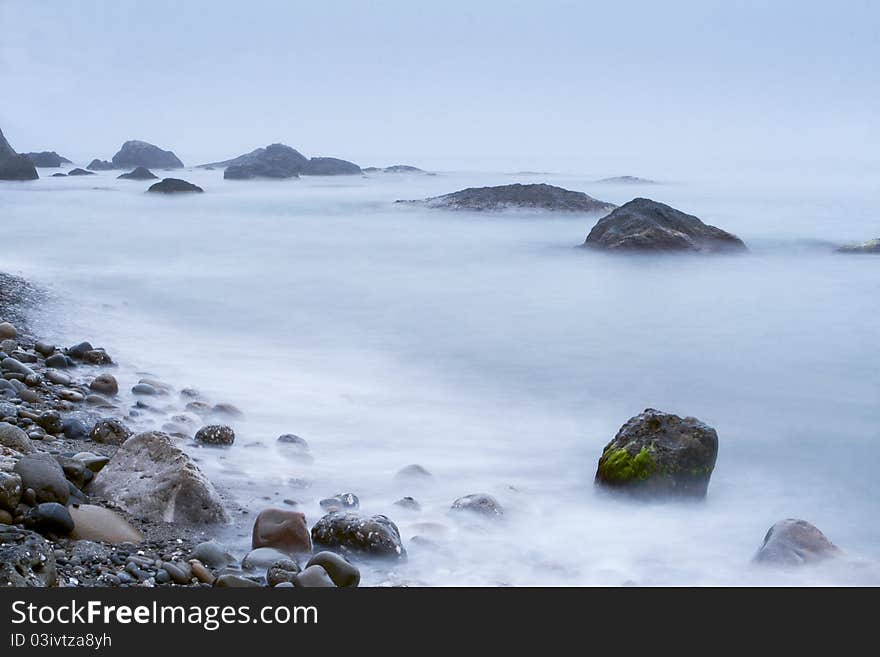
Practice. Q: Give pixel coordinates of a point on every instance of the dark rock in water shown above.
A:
(142, 154)
(793, 543)
(74, 429)
(14, 166)
(174, 186)
(292, 441)
(80, 172)
(660, 454)
(100, 165)
(105, 384)
(59, 175)
(26, 558)
(646, 225)
(402, 168)
(79, 350)
(340, 501)
(412, 472)
(480, 503)
(110, 431)
(338, 568)
(871, 246)
(627, 180)
(49, 518)
(330, 166)
(58, 361)
(140, 173)
(274, 161)
(408, 503)
(517, 196)
(283, 530)
(356, 533)
(44, 475)
(215, 435)
(47, 159)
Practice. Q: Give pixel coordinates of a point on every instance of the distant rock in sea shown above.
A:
(174, 186)
(140, 173)
(59, 175)
(517, 196)
(871, 246)
(14, 166)
(330, 166)
(646, 225)
(47, 159)
(100, 165)
(136, 153)
(627, 180)
(80, 172)
(274, 161)
(396, 168)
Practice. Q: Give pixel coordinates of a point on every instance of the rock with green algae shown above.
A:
(658, 454)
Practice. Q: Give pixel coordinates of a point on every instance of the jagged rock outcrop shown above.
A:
(14, 166)
(47, 159)
(137, 153)
(517, 196)
(100, 165)
(646, 225)
(274, 161)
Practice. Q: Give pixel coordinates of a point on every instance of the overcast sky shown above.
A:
(493, 84)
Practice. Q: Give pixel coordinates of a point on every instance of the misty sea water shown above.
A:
(491, 350)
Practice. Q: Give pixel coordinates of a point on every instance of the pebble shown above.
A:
(105, 384)
(235, 581)
(212, 553)
(340, 501)
(200, 572)
(284, 570)
(44, 348)
(10, 490)
(110, 431)
(479, 503)
(71, 395)
(79, 350)
(74, 429)
(261, 558)
(338, 569)
(58, 361)
(7, 330)
(144, 389)
(162, 577)
(408, 503)
(227, 409)
(41, 473)
(314, 577)
(49, 518)
(283, 530)
(180, 573)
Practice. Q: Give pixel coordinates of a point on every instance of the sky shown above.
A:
(491, 85)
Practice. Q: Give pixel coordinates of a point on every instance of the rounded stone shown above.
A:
(42, 473)
(283, 530)
(14, 438)
(294, 442)
(96, 523)
(10, 491)
(7, 331)
(793, 542)
(338, 568)
(212, 554)
(262, 558)
(105, 384)
(283, 570)
(57, 361)
(144, 389)
(314, 577)
(50, 421)
(413, 472)
(236, 582)
(215, 435)
(659, 454)
(74, 429)
(354, 532)
(49, 518)
(110, 431)
(408, 503)
(480, 503)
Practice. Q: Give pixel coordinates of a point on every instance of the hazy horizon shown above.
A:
(504, 86)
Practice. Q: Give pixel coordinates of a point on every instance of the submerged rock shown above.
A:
(357, 533)
(794, 542)
(402, 168)
(100, 165)
(660, 454)
(627, 180)
(646, 225)
(140, 173)
(215, 435)
(14, 166)
(26, 558)
(47, 159)
(80, 172)
(480, 503)
(174, 186)
(517, 196)
(137, 153)
(151, 478)
(871, 246)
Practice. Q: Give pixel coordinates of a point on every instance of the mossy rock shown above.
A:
(658, 454)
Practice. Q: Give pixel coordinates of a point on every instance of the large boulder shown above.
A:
(14, 166)
(356, 533)
(794, 542)
(660, 454)
(274, 161)
(136, 153)
(26, 558)
(100, 165)
(47, 159)
(140, 173)
(517, 196)
(151, 478)
(174, 186)
(871, 246)
(646, 225)
(330, 166)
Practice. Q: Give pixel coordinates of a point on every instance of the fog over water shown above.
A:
(490, 350)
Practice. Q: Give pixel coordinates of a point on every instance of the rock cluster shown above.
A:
(47, 159)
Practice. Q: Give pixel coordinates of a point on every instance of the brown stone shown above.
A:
(283, 530)
(95, 523)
